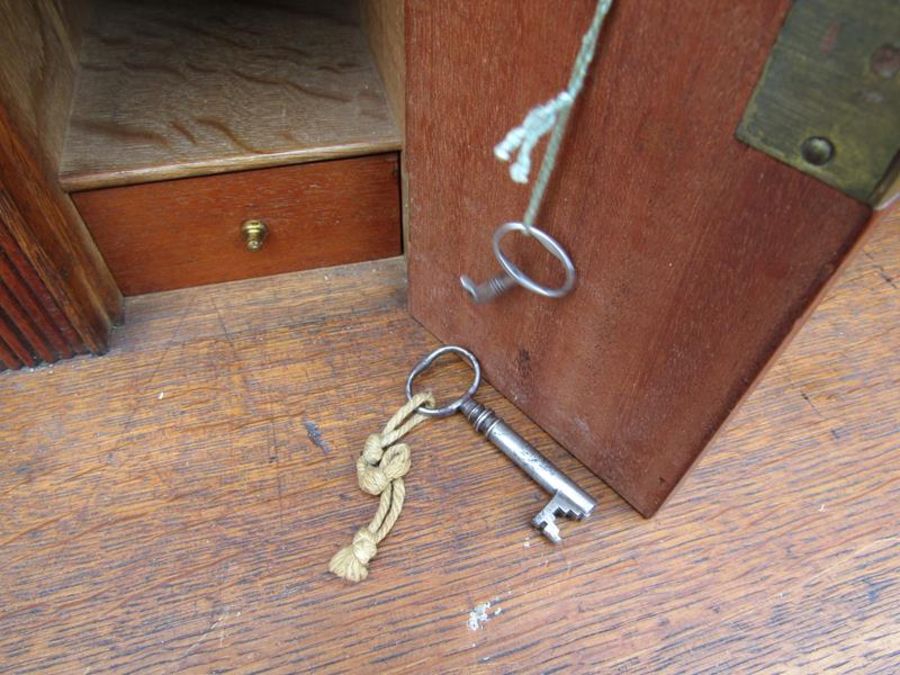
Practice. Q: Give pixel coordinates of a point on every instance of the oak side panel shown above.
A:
(54, 243)
(8, 358)
(22, 278)
(696, 254)
(25, 325)
(12, 339)
(383, 23)
(172, 506)
(170, 89)
(36, 302)
(41, 234)
(39, 42)
(172, 234)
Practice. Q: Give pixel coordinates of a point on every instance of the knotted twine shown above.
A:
(380, 470)
(552, 115)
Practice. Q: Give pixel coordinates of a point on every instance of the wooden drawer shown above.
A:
(187, 232)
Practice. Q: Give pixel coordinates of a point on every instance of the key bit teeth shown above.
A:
(548, 528)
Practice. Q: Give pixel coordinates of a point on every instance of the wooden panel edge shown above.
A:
(47, 228)
(383, 22)
(78, 182)
(877, 219)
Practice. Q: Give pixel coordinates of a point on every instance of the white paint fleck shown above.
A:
(161, 396)
(498, 611)
(527, 543)
(821, 508)
(478, 616)
(583, 426)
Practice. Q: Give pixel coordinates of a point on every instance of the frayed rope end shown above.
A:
(351, 562)
(522, 139)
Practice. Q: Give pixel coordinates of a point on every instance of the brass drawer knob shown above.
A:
(254, 232)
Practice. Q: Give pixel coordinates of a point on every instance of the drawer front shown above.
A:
(188, 232)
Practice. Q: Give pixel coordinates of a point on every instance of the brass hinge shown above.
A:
(828, 101)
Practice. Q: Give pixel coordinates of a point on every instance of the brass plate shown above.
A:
(828, 102)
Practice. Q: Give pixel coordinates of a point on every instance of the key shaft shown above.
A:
(526, 456)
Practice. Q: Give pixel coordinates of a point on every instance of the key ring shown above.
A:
(423, 365)
(553, 248)
(512, 275)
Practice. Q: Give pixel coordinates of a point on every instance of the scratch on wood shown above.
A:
(811, 404)
(209, 630)
(315, 435)
(887, 278)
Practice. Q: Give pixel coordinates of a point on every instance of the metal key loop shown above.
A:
(513, 276)
(567, 498)
(423, 365)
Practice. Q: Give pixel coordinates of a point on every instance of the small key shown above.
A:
(567, 498)
(490, 289)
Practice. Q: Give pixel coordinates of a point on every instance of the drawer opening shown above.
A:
(189, 119)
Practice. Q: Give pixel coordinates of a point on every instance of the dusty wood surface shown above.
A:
(60, 282)
(187, 232)
(172, 506)
(696, 254)
(170, 88)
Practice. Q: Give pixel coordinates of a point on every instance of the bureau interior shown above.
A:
(168, 88)
(289, 112)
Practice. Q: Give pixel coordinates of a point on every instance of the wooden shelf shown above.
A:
(170, 89)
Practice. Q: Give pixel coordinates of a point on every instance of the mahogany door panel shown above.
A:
(696, 254)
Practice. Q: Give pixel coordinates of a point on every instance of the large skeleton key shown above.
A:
(567, 498)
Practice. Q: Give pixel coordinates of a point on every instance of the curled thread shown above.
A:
(551, 116)
(521, 140)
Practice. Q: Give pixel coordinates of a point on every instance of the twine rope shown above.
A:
(552, 115)
(380, 470)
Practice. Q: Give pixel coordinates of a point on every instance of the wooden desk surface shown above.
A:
(173, 505)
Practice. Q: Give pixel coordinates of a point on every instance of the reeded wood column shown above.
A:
(57, 297)
(32, 326)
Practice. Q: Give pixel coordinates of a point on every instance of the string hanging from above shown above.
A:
(516, 148)
(552, 115)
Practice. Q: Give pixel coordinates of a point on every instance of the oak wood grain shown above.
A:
(383, 23)
(52, 242)
(13, 340)
(23, 280)
(58, 278)
(8, 359)
(697, 255)
(39, 43)
(32, 296)
(26, 327)
(187, 232)
(173, 505)
(170, 89)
